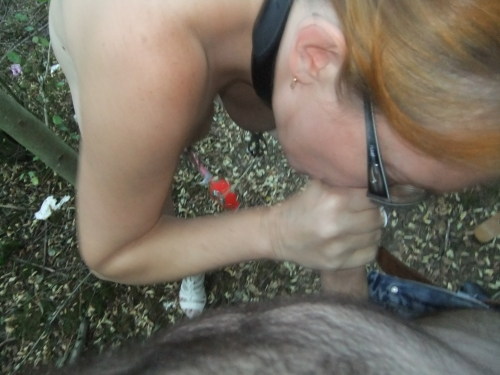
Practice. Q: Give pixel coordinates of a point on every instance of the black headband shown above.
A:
(266, 38)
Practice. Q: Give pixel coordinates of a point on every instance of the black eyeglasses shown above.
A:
(379, 190)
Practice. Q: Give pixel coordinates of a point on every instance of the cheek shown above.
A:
(347, 171)
(330, 160)
(343, 159)
(326, 147)
(295, 150)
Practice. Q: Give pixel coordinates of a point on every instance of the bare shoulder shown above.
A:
(126, 59)
(139, 77)
(151, 39)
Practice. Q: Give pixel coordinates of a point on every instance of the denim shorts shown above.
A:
(411, 299)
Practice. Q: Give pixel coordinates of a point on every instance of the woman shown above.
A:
(143, 76)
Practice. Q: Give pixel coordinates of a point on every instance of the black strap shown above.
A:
(266, 38)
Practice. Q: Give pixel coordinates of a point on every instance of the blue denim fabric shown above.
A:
(411, 299)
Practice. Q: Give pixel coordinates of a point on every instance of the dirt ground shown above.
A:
(52, 309)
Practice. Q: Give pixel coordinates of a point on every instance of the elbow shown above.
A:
(124, 265)
(103, 267)
(100, 275)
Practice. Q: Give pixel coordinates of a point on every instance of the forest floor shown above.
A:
(52, 308)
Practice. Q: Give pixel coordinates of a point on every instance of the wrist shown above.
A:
(270, 222)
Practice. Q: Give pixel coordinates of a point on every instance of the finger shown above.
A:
(356, 223)
(361, 257)
(355, 258)
(355, 199)
(343, 249)
(359, 201)
(355, 242)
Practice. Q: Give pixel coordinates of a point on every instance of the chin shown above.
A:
(291, 156)
(295, 165)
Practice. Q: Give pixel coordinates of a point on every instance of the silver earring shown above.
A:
(294, 83)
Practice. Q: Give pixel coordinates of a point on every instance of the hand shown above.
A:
(326, 228)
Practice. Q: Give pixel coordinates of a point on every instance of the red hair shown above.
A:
(433, 68)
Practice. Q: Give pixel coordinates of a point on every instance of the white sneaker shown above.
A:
(192, 296)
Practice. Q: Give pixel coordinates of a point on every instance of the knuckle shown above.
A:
(328, 230)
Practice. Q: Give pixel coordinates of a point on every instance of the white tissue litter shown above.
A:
(50, 205)
(54, 68)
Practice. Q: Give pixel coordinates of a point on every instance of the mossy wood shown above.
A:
(36, 137)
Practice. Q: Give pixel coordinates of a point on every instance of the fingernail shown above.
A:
(384, 216)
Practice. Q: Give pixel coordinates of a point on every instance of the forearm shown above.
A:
(304, 229)
(175, 248)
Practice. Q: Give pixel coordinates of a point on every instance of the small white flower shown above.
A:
(50, 205)
(16, 70)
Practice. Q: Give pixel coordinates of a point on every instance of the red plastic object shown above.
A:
(220, 190)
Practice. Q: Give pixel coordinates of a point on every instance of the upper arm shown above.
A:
(138, 103)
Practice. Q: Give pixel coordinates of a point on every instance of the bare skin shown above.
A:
(322, 336)
(143, 76)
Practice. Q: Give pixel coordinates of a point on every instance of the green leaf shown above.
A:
(21, 17)
(57, 120)
(33, 178)
(41, 41)
(44, 42)
(14, 57)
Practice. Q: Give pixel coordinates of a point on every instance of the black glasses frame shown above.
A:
(379, 190)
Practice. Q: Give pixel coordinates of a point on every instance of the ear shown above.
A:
(318, 52)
